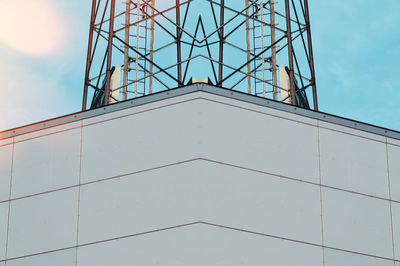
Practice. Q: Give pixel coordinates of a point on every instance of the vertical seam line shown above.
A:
(390, 199)
(320, 193)
(9, 199)
(79, 196)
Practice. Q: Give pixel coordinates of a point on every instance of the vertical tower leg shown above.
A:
(273, 50)
(262, 47)
(126, 51)
(109, 53)
(290, 52)
(138, 10)
(221, 42)
(178, 42)
(311, 55)
(248, 47)
(153, 5)
(89, 55)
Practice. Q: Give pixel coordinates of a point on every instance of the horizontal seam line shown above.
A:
(80, 115)
(204, 223)
(45, 135)
(354, 135)
(202, 159)
(260, 112)
(103, 179)
(135, 113)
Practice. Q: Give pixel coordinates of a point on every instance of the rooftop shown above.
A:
(207, 89)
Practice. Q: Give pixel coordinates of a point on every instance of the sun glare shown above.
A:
(31, 26)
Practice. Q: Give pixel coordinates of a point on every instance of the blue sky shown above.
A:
(356, 46)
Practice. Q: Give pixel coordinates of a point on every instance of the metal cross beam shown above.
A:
(155, 45)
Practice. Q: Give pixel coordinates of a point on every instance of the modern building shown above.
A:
(200, 176)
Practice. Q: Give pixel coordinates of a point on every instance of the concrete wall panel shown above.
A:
(199, 245)
(59, 258)
(394, 171)
(353, 163)
(339, 258)
(46, 163)
(261, 203)
(142, 108)
(199, 179)
(357, 223)
(141, 141)
(43, 223)
(396, 229)
(48, 131)
(351, 131)
(260, 109)
(393, 141)
(200, 191)
(263, 142)
(5, 171)
(3, 229)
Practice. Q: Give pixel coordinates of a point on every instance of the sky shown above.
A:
(43, 47)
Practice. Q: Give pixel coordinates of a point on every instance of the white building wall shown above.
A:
(200, 179)
(46, 162)
(5, 168)
(3, 229)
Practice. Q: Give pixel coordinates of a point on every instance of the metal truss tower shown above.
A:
(139, 47)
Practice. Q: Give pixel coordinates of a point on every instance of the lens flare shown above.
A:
(31, 26)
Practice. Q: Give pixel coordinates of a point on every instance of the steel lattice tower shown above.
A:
(157, 45)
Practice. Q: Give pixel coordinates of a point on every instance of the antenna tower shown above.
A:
(139, 47)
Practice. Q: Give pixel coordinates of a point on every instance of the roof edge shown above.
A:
(205, 88)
